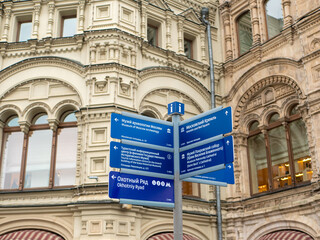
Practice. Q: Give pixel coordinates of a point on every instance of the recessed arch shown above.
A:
(259, 87)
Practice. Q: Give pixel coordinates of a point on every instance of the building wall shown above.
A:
(107, 66)
(286, 67)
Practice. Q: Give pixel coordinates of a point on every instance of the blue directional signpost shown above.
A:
(141, 160)
(155, 156)
(206, 125)
(141, 129)
(206, 158)
(221, 177)
(142, 190)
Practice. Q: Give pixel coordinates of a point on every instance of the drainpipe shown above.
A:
(204, 15)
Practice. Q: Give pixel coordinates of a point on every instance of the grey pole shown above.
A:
(204, 14)
(177, 212)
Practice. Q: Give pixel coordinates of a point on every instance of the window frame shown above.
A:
(238, 33)
(156, 28)
(186, 39)
(64, 17)
(266, 21)
(19, 23)
(264, 130)
(35, 127)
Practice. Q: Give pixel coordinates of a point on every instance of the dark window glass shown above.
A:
(274, 17)
(188, 48)
(258, 163)
(152, 35)
(244, 33)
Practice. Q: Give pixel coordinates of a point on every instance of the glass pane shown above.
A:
(294, 110)
(254, 126)
(42, 120)
(274, 17)
(152, 35)
(188, 48)
(13, 122)
(281, 174)
(66, 157)
(274, 118)
(69, 27)
(38, 159)
(258, 163)
(300, 148)
(25, 31)
(245, 32)
(70, 118)
(11, 160)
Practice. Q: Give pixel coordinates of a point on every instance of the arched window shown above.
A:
(274, 17)
(244, 32)
(279, 155)
(43, 158)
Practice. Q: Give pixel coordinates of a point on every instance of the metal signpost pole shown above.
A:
(177, 213)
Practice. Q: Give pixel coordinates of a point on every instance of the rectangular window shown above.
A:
(188, 48)
(24, 31)
(69, 26)
(11, 160)
(258, 163)
(281, 174)
(65, 158)
(152, 35)
(38, 159)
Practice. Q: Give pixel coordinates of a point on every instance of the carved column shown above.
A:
(287, 18)
(168, 28)
(144, 19)
(93, 51)
(81, 16)
(203, 43)
(36, 22)
(255, 23)
(180, 35)
(225, 13)
(7, 15)
(50, 18)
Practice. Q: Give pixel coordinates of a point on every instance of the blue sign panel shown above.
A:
(214, 178)
(211, 124)
(135, 187)
(206, 158)
(140, 158)
(175, 107)
(134, 129)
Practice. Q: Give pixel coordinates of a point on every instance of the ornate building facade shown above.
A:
(270, 76)
(66, 65)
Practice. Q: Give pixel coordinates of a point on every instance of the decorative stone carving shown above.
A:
(101, 85)
(125, 86)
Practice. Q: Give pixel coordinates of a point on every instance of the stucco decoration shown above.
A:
(156, 227)
(258, 87)
(47, 223)
(301, 223)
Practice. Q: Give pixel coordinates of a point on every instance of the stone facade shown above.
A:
(274, 74)
(109, 65)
